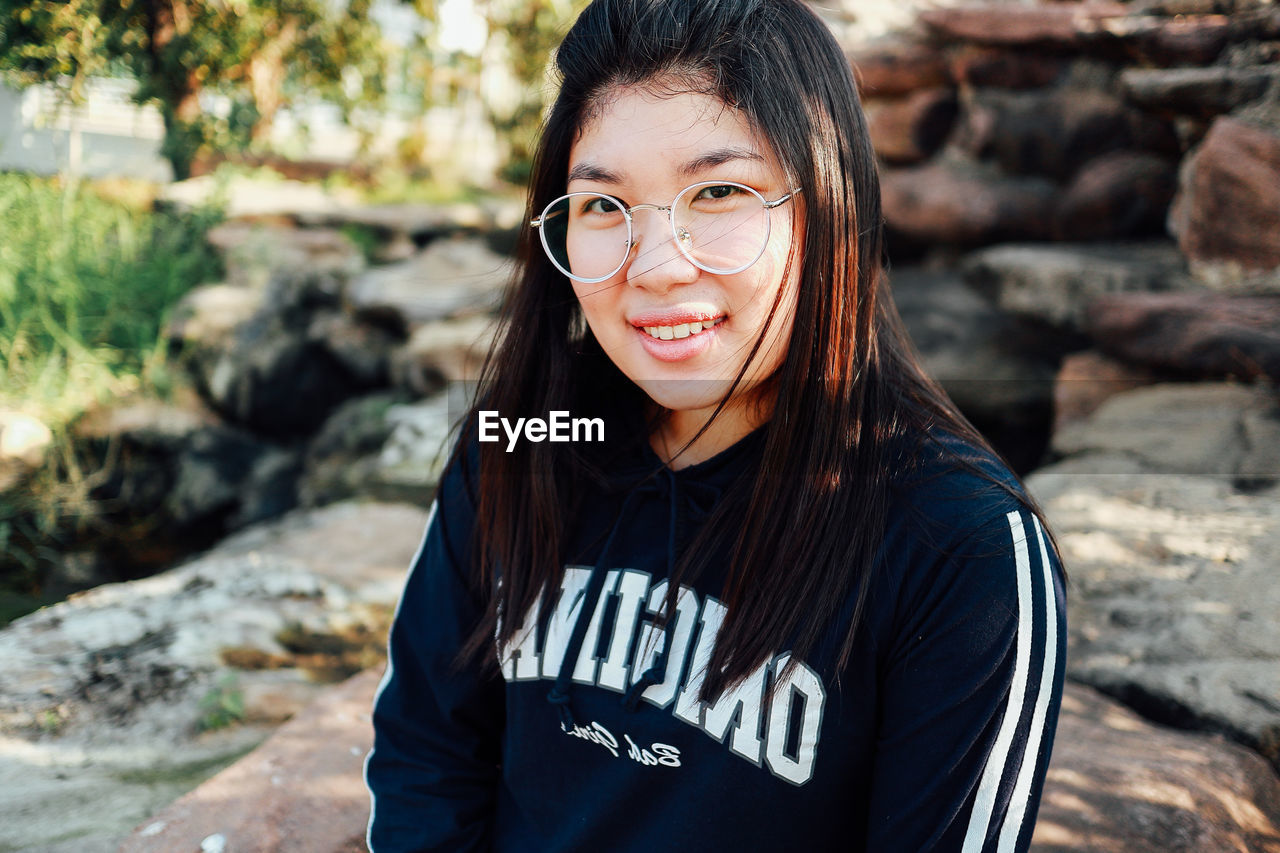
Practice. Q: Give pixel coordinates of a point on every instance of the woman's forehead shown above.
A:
(685, 131)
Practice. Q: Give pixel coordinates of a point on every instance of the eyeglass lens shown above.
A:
(720, 227)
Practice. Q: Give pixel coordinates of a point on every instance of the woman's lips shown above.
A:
(677, 341)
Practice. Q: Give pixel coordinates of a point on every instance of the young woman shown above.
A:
(792, 600)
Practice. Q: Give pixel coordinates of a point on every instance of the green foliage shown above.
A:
(84, 286)
(262, 54)
(222, 706)
(43, 41)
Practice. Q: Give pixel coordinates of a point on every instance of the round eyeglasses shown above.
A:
(720, 226)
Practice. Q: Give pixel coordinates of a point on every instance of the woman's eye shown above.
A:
(601, 205)
(718, 191)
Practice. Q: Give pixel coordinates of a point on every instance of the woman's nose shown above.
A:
(656, 261)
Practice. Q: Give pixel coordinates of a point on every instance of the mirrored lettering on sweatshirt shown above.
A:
(778, 732)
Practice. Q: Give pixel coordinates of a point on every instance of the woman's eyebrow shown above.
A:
(592, 172)
(718, 157)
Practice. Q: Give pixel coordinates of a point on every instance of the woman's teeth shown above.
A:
(683, 330)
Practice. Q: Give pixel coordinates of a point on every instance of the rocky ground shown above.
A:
(1082, 202)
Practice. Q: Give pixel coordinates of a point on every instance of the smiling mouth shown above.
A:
(682, 330)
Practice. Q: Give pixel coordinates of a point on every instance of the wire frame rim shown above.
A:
(540, 223)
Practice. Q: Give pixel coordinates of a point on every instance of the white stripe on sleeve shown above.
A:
(985, 801)
(1022, 789)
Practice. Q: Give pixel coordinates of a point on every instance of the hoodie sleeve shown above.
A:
(970, 696)
(433, 771)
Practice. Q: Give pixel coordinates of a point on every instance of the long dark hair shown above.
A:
(849, 391)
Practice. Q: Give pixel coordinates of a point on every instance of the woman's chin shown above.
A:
(681, 395)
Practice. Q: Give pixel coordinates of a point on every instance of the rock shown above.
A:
(280, 362)
(277, 383)
(1119, 195)
(1197, 7)
(101, 695)
(1205, 335)
(441, 352)
(243, 197)
(363, 350)
(450, 278)
(253, 252)
(1095, 27)
(1223, 430)
(24, 442)
(895, 68)
(62, 797)
(270, 489)
(147, 422)
(1183, 40)
(1055, 283)
(171, 478)
(129, 660)
(1053, 133)
(1061, 25)
(910, 129)
(953, 203)
(342, 459)
(1147, 787)
(301, 791)
(211, 473)
(410, 463)
(205, 320)
(1117, 783)
(1088, 379)
(1005, 69)
(1228, 204)
(1199, 92)
(1173, 582)
(997, 371)
(415, 223)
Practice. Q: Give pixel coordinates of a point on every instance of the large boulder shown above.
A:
(123, 693)
(1089, 378)
(1118, 784)
(1056, 283)
(956, 202)
(441, 352)
(300, 792)
(996, 369)
(254, 251)
(911, 128)
(169, 478)
(282, 371)
(1173, 587)
(1227, 210)
(1197, 334)
(1207, 429)
(1119, 195)
(449, 278)
(1005, 69)
(1054, 132)
(1199, 92)
(1066, 25)
(257, 197)
(895, 67)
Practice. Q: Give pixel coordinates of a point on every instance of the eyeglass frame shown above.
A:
(675, 235)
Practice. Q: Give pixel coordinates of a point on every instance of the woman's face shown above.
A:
(641, 147)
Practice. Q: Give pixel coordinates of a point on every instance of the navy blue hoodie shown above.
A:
(935, 736)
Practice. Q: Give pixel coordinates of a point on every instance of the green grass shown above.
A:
(85, 283)
(88, 274)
